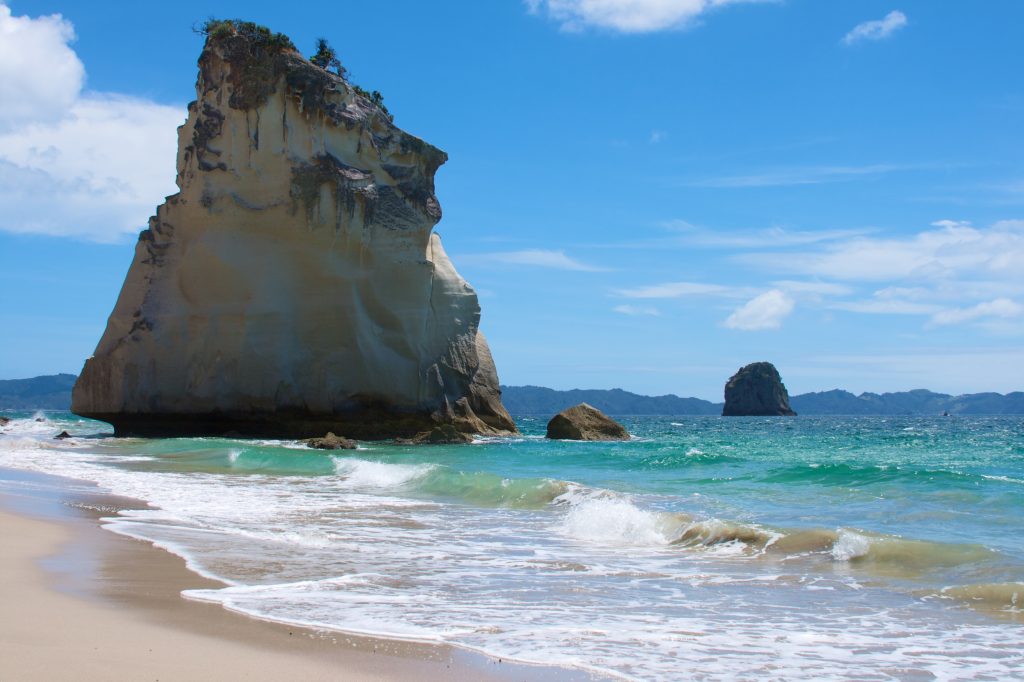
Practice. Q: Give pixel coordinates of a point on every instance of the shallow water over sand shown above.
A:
(706, 547)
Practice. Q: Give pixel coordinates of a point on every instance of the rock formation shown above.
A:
(331, 442)
(584, 422)
(293, 285)
(4, 421)
(445, 434)
(756, 391)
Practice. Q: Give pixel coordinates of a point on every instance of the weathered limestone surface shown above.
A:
(585, 422)
(293, 285)
(757, 391)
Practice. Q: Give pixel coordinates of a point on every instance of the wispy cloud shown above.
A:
(882, 306)
(1003, 308)
(541, 258)
(877, 29)
(771, 237)
(951, 249)
(766, 311)
(683, 289)
(809, 175)
(627, 16)
(657, 136)
(813, 289)
(637, 310)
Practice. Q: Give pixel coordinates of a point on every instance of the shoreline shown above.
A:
(85, 603)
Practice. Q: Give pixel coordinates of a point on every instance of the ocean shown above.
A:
(704, 548)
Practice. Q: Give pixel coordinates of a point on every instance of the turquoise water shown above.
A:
(843, 548)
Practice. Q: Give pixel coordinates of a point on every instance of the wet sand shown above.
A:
(85, 604)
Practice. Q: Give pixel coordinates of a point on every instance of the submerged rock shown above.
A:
(4, 421)
(331, 442)
(757, 391)
(62, 435)
(585, 422)
(446, 434)
(293, 285)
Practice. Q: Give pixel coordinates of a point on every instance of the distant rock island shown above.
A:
(53, 392)
(293, 285)
(756, 390)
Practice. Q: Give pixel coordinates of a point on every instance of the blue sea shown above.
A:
(704, 548)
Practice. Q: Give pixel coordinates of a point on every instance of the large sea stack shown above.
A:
(757, 391)
(293, 285)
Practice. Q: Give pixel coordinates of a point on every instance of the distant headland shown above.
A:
(53, 392)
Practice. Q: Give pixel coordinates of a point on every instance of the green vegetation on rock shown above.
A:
(219, 29)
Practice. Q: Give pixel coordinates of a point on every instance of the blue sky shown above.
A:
(647, 194)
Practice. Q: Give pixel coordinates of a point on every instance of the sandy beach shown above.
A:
(85, 604)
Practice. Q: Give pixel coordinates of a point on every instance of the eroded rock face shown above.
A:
(293, 285)
(585, 422)
(757, 391)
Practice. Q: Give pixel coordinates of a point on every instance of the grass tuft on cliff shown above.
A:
(219, 29)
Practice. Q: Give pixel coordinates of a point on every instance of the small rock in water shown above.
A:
(4, 421)
(445, 434)
(40, 420)
(62, 435)
(331, 442)
(585, 422)
(757, 391)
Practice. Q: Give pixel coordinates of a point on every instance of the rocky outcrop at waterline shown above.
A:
(331, 442)
(585, 422)
(293, 285)
(445, 434)
(757, 391)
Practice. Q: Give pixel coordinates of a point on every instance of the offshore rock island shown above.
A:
(756, 390)
(293, 286)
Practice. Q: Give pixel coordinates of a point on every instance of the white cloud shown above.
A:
(657, 136)
(86, 164)
(627, 16)
(1003, 308)
(636, 310)
(542, 258)
(681, 289)
(40, 75)
(877, 29)
(762, 312)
